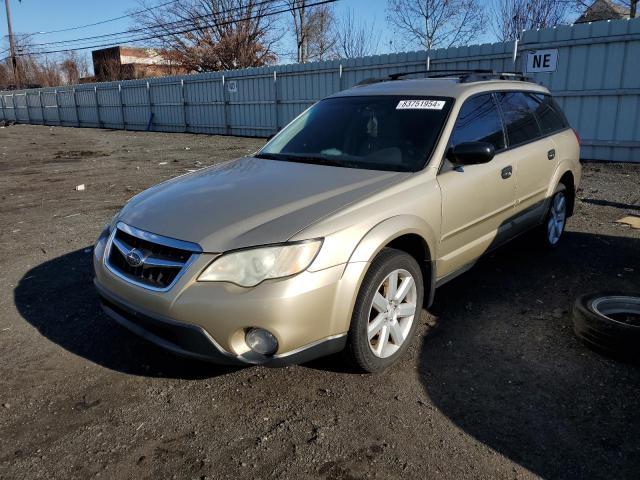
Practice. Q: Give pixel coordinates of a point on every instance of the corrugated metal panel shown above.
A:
(110, 107)
(204, 101)
(21, 111)
(50, 107)
(597, 83)
(136, 105)
(8, 108)
(67, 107)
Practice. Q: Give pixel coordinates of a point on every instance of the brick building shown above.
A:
(126, 63)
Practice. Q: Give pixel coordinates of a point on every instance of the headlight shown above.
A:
(248, 268)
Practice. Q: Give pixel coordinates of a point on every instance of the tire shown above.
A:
(609, 323)
(389, 320)
(543, 232)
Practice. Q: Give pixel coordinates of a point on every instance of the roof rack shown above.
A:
(443, 73)
(464, 76)
(473, 75)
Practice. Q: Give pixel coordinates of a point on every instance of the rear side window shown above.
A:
(520, 122)
(479, 121)
(549, 114)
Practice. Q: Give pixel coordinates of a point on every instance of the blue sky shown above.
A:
(45, 15)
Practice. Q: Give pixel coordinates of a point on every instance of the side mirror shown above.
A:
(471, 153)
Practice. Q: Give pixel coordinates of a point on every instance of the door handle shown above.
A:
(551, 154)
(506, 172)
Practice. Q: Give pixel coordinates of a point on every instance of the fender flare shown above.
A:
(562, 168)
(388, 230)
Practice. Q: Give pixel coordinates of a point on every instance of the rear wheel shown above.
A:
(385, 314)
(555, 221)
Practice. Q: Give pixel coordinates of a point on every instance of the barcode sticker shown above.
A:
(420, 105)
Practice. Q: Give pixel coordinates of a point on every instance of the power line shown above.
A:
(131, 33)
(80, 27)
(102, 22)
(128, 33)
(178, 32)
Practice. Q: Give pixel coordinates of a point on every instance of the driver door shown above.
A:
(478, 201)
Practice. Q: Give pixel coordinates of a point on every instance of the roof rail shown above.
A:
(442, 73)
(465, 76)
(370, 80)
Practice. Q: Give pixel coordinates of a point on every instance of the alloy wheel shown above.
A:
(557, 218)
(392, 313)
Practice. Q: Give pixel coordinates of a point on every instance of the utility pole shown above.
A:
(633, 8)
(12, 46)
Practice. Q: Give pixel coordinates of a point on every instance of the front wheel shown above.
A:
(386, 312)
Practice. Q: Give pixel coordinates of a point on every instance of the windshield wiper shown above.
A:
(271, 156)
(312, 159)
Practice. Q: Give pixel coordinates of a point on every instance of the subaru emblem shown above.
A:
(134, 258)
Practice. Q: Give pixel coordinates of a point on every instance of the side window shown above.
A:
(478, 121)
(549, 114)
(519, 118)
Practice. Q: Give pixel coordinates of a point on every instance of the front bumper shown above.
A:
(192, 341)
(309, 313)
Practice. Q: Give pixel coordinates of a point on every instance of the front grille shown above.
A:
(159, 264)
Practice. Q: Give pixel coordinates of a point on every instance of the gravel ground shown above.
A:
(495, 384)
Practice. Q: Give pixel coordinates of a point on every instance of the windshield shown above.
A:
(395, 133)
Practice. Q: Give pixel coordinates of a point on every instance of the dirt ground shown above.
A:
(495, 384)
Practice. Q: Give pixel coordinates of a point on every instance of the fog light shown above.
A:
(261, 341)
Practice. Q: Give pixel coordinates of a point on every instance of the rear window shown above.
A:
(479, 121)
(387, 132)
(549, 114)
(520, 122)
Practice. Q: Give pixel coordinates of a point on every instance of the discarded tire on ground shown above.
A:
(609, 323)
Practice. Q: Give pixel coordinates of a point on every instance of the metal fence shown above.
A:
(597, 82)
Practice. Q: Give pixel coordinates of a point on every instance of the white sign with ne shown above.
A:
(232, 86)
(542, 61)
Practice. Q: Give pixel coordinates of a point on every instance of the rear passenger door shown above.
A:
(477, 200)
(532, 153)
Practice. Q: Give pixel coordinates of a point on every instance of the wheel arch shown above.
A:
(568, 180)
(564, 174)
(407, 233)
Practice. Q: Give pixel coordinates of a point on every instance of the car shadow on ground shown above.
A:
(58, 298)
(607, 203)
(505, 367)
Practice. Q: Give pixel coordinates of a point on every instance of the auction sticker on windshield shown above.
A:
(420, 105)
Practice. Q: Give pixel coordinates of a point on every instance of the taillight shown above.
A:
(577, 135)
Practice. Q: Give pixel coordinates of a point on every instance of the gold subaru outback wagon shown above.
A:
(338, 231)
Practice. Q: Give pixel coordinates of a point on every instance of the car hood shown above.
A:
(250, 201)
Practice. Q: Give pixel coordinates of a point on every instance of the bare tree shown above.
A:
(322, 40)
(436, 23)
(511, 17)
(73, 67)
(203, 35)
(313, 29)
(32, 70)
(6, 75)
(39, 72)
(355, 38)
(300, 13)
(628, 6)
(110, 70)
